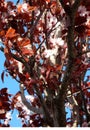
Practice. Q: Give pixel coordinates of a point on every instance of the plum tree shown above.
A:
(47, 51)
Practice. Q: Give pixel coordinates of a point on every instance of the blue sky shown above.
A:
(14, 1)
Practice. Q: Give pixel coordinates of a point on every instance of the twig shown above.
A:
(45, 37)
(17, 2)
(78, 92)
(20, 59)
(1, 48)
(36, 22)
(84, 52)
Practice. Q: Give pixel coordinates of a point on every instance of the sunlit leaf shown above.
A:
(2, 33)
(10, 33)
(2, 111)
(6, 50)
(23, 42)
(26, 51)
(48, 1)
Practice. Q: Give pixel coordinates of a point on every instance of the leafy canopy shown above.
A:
(47, 51)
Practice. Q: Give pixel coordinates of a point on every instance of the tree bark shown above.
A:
(60, 112)
(60, 99)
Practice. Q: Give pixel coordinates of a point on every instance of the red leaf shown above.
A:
(6, 106)
(15, 99)
(2, 33)
(33, 116)
(47, 73)
(27, 75)
(22, 77)
(48, 1)
(33, 81)
(6, 51)
(58, 67)
(0, 104)
(64, 31)
(6, 63)
(3, 91)
(26, 42)
(5, 98)
(30, 90)
(23, 42)
(87, 94)
(41, 88)
(3, 116)
(26, 51)
(88, 32)
(88, 84)
(19, 7)
(80, 29)
(80, 20)
(11, 33)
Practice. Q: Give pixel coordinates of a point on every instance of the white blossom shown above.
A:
(8, 117)
(48, 53)
(29, 97)
(12, 12)
(57, 41)
(82, 10)
(51, 20)
(24, 7)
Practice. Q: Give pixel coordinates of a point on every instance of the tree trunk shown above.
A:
(60, 113)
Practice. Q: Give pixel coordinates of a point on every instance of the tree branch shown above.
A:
(66, 8)
(84, 52)
(76, 5)
(36, 22)
(71, 49)
(20, 59)
(42, 101)
(1, 48)
(27, 104)
(60, 99)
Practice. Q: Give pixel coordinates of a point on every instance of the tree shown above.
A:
(46, 45)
